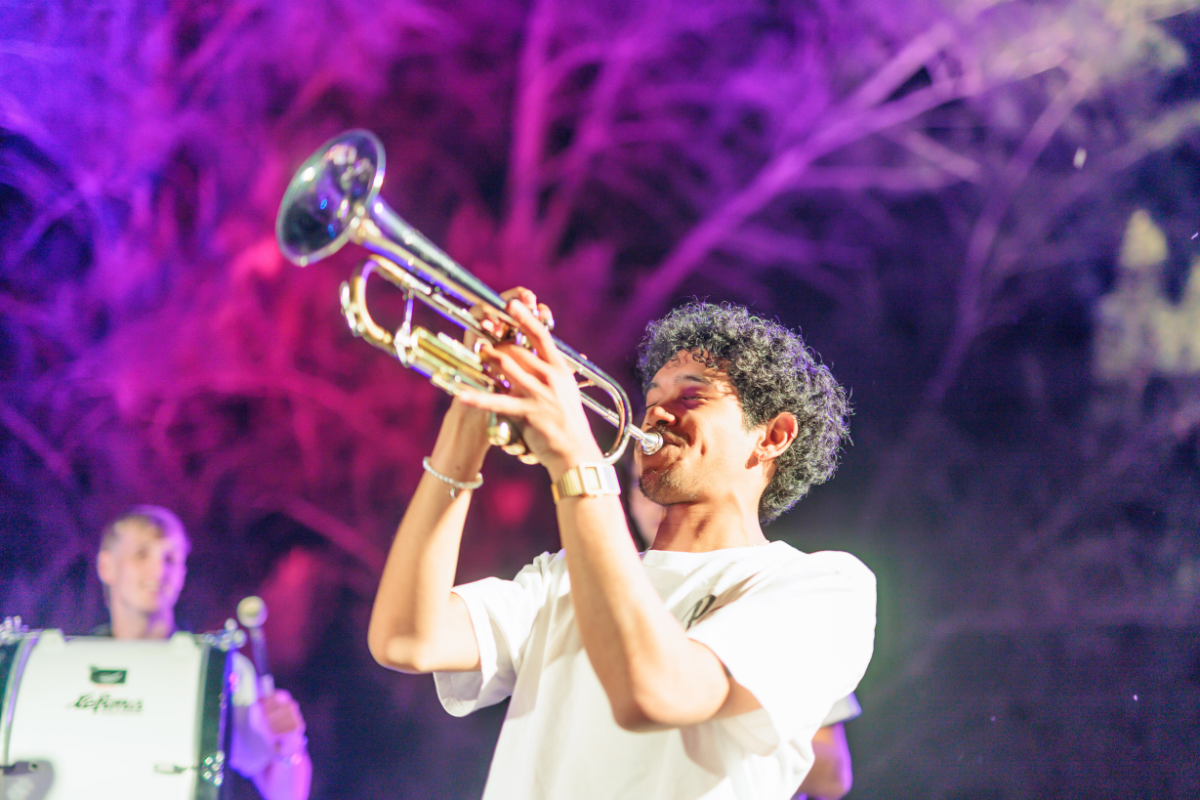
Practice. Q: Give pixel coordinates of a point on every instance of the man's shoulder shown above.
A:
(547, 565)
(841, 563)
(779, 567)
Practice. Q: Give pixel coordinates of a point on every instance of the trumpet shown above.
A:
(333, 200)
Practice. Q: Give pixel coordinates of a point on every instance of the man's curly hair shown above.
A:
(773, 371)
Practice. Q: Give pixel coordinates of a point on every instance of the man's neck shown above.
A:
(130, 624)
(702, 527)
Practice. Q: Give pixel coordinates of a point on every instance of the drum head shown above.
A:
(105, 719)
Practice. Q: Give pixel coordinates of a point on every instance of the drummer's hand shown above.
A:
(543, 395)
(282, 722)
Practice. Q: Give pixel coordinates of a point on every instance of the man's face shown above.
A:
(144, 568)
(706, 447)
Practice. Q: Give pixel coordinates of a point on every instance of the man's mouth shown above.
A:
(669, 437)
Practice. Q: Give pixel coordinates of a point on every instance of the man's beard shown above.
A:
(664, 486)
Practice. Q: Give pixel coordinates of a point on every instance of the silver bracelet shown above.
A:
(455, 486)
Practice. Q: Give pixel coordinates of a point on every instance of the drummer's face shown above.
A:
(146, 568)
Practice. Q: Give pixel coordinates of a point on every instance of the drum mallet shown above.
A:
(252, 613)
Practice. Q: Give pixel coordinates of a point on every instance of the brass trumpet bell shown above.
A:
(333, 200)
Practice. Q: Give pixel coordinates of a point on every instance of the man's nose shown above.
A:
(659, 415)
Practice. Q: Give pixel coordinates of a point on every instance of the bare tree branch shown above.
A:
(28, 434)
(530, 114)
(1097, 486)
(970, 293)
(338, 533)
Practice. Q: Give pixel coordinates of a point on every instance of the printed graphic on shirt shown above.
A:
(698, 611)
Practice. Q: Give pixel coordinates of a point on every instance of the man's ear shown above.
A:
(105, 567)
(778, 435)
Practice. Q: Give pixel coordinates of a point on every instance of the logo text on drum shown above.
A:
(107, 703)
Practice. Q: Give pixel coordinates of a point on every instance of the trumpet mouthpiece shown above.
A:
(651, 443)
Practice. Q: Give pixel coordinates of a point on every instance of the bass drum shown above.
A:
(92, 717)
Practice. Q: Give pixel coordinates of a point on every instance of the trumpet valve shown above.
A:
(500, 433)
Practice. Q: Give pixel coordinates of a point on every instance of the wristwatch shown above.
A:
(586, 480)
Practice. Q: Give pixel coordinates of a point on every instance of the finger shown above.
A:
(534, 329)
(523, 296)
(523, 371)
(504, 405)
(286, 716)
(519, 293)
(282, 727)
(284, 711)
(487, 315)
(488, 322)
(546, 316)
(281, 717)
(525, 359)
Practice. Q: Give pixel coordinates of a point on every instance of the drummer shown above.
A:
(142, 564)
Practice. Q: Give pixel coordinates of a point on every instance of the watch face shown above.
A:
(587, 480)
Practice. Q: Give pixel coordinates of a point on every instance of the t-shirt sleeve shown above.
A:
(502, 616)
(843, 710)
(799, 641)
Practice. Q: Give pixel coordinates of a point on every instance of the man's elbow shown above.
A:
(396, 653)
(658, 708)
(634, 718)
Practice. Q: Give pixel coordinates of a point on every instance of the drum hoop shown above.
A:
(11, 671)
(210, 722)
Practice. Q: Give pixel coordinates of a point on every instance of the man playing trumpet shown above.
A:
(699, 669)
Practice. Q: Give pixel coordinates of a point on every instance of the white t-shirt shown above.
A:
(765, 611)
(843, 710)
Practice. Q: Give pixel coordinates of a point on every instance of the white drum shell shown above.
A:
(87, 736)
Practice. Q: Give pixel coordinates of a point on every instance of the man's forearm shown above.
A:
(831, 774)
(653, 674)
(416, 623)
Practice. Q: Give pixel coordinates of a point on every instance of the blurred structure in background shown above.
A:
(903, 181)
(1141, 332)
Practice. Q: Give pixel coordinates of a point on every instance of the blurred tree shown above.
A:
(936, 190)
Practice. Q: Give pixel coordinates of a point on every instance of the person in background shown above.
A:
(832, 773)
(142, 563)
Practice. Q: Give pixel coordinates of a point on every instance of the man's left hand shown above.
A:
(543, 396)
